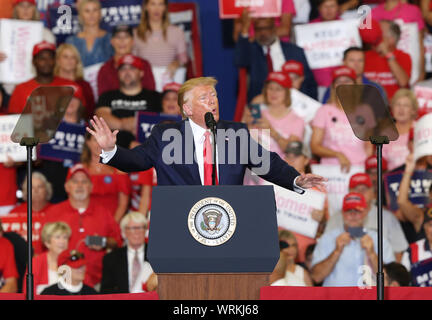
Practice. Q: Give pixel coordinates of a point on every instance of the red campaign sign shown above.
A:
(230, 9)
(424, 99)
(17, 222)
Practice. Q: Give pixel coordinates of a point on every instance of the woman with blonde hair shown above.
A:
(93, 43)
(157, 41)
(404, 108)
(69, 66)
(55, 237)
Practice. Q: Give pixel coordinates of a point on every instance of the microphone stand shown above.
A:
(213, 130)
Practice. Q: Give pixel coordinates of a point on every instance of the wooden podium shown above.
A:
(188, 267)
(211, 286)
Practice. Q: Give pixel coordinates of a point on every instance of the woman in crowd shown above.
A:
(276, 115)
(69, 66)
(332, 137)
(157, 41)
(404, 108)
(295, 275)
(110, 186)
(169, 99)
(92, 42)
(55, 237)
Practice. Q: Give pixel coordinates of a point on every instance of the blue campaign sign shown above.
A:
(67, 143)
(147, 120)
(420, 184)
(114, 12)
(421, 273)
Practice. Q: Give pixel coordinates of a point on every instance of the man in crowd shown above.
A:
(8, 272)
(396, 275)
(361, 183)
(119, 107)
(346, 256)
(122, 43)
(86, 218)
(266, 54)
(354, 58)
(126, 270)
(198, 97)
(384, 63)
(44, 59)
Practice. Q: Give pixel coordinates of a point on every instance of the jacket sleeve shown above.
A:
(242, 52)
(107, 284)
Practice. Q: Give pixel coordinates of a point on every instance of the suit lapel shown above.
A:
(189, 152)
(124, 276)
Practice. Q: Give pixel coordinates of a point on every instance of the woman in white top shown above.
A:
(295, 275)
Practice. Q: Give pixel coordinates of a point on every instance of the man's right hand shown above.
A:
(103, 134)
(342, 241)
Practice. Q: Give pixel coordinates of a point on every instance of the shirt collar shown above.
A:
(197, 131)
(140, 250)
(273, 46)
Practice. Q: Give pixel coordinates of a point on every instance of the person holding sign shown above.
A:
(266, 54)
(347, 256)
(332, 138)
(119, 107)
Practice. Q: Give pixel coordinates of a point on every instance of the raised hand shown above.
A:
(103, 134)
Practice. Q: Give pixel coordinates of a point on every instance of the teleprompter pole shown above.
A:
(29, 143)
(378, 141)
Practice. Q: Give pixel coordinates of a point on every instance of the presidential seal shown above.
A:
(212, 221)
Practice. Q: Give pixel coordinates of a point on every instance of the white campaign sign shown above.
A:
(90, 75)
(7, 146)
(337, 184)
(409, 43)
(294, 210)
(325, 42)
(162, 77)
(17, 40)
(423, 137)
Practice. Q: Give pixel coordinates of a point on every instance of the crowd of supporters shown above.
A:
(95, 219)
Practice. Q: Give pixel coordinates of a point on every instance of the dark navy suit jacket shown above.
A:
(185, 171)
(250, 55)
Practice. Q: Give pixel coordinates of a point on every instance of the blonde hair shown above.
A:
(287, 95)
(52, 228)
(410, 95)
(81, 5)
(189, 85)
(41, 177)
(144, 25)
(79, 71)
(134, 216)
(285, 234)
(36, 14)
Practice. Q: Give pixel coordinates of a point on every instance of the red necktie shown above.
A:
(208, 160)
(269, 60)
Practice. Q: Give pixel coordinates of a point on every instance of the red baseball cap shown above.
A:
(355, 201)
(343, 71)
(294, 67)
(77, 168)
(358, 179)
(73, 259)
(44, 45)
(281, 78)
(373, 34)
(131, 60)
(33, 2)
(372, 163)
(172, 86)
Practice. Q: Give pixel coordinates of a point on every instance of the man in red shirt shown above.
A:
(122, 42)
(386, 65)
(86, 218)
(44, 62)
(8, 271)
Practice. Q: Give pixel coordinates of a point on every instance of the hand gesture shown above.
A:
(310, 180)
(410, 164)
(103, 134)
(342, 240)
(317, 215)
(367, 243)
(245, 20)
(3, 56)
(344, 162)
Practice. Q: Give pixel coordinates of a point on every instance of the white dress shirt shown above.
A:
(276, 54)
(146, 269)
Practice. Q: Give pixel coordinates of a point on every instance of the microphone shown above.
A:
(211, 124)
(210, 121)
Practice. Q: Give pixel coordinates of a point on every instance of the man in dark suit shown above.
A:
(181, 152)
(267, 53)
(126, 270)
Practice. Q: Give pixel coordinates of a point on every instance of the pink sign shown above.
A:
(424, 99)
(230, 9)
